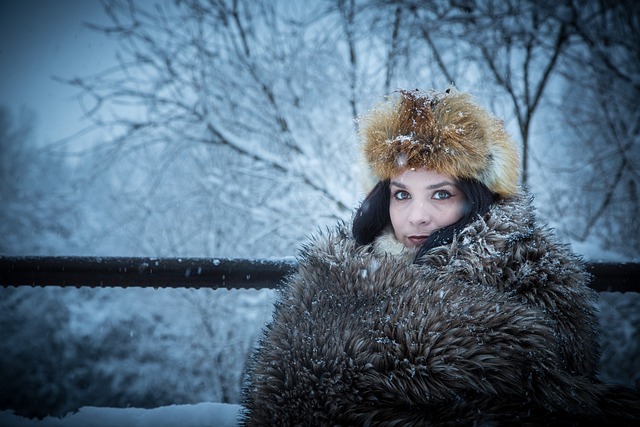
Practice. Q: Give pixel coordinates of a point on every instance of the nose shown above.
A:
(420, 214)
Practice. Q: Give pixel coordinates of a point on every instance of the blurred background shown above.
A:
(228, 129)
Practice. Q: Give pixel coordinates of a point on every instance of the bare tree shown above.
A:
(238, 96)
(420, 49)
(599, 106)
(519, 44)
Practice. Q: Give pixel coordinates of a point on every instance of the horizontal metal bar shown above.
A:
(615, 277)
(211, 273)
(144, 272)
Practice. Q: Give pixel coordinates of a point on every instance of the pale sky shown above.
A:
(44, 38)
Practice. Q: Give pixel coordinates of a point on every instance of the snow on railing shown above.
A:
(212, 273)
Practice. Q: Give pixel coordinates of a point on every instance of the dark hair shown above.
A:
(372, 217)
(373, 214)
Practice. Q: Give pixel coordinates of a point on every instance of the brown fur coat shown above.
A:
(499, 326)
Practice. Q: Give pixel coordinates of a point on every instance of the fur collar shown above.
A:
(387, 244)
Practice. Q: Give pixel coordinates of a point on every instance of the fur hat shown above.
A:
(443, 132)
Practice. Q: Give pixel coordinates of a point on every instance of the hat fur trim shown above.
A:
(443, 132)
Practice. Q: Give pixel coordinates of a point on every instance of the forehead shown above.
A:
(420, 177)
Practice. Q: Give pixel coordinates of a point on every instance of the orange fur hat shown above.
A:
(443, 132)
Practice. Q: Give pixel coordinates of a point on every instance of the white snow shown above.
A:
(593, 251)
(201, 414)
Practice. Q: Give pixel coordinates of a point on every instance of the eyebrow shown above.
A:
(429, 187)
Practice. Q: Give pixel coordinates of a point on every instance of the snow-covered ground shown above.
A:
(199, 415)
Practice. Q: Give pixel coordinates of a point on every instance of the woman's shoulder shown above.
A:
(514, 245)
(513, 222)
(510, 220)
(507, 244)
(516, 222)
(331, 242)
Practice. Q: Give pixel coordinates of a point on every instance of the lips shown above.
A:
(417, 240)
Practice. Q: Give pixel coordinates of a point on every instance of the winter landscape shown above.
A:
(228, 130)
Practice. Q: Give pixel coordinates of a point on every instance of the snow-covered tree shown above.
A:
(601, 116)
(239, 136)
(36, 191)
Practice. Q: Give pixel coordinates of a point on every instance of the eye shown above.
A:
(442, 195)
(401, 195)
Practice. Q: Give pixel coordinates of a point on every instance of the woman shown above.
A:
(445, 303)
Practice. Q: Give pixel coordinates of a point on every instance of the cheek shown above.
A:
(454, 214)
(396, 218)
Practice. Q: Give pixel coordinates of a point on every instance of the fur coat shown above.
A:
(499, 326)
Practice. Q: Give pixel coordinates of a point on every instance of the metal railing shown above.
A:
(212, 273)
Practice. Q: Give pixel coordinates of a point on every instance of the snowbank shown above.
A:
(199, 415)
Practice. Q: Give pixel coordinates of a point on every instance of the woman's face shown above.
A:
(421, 203)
